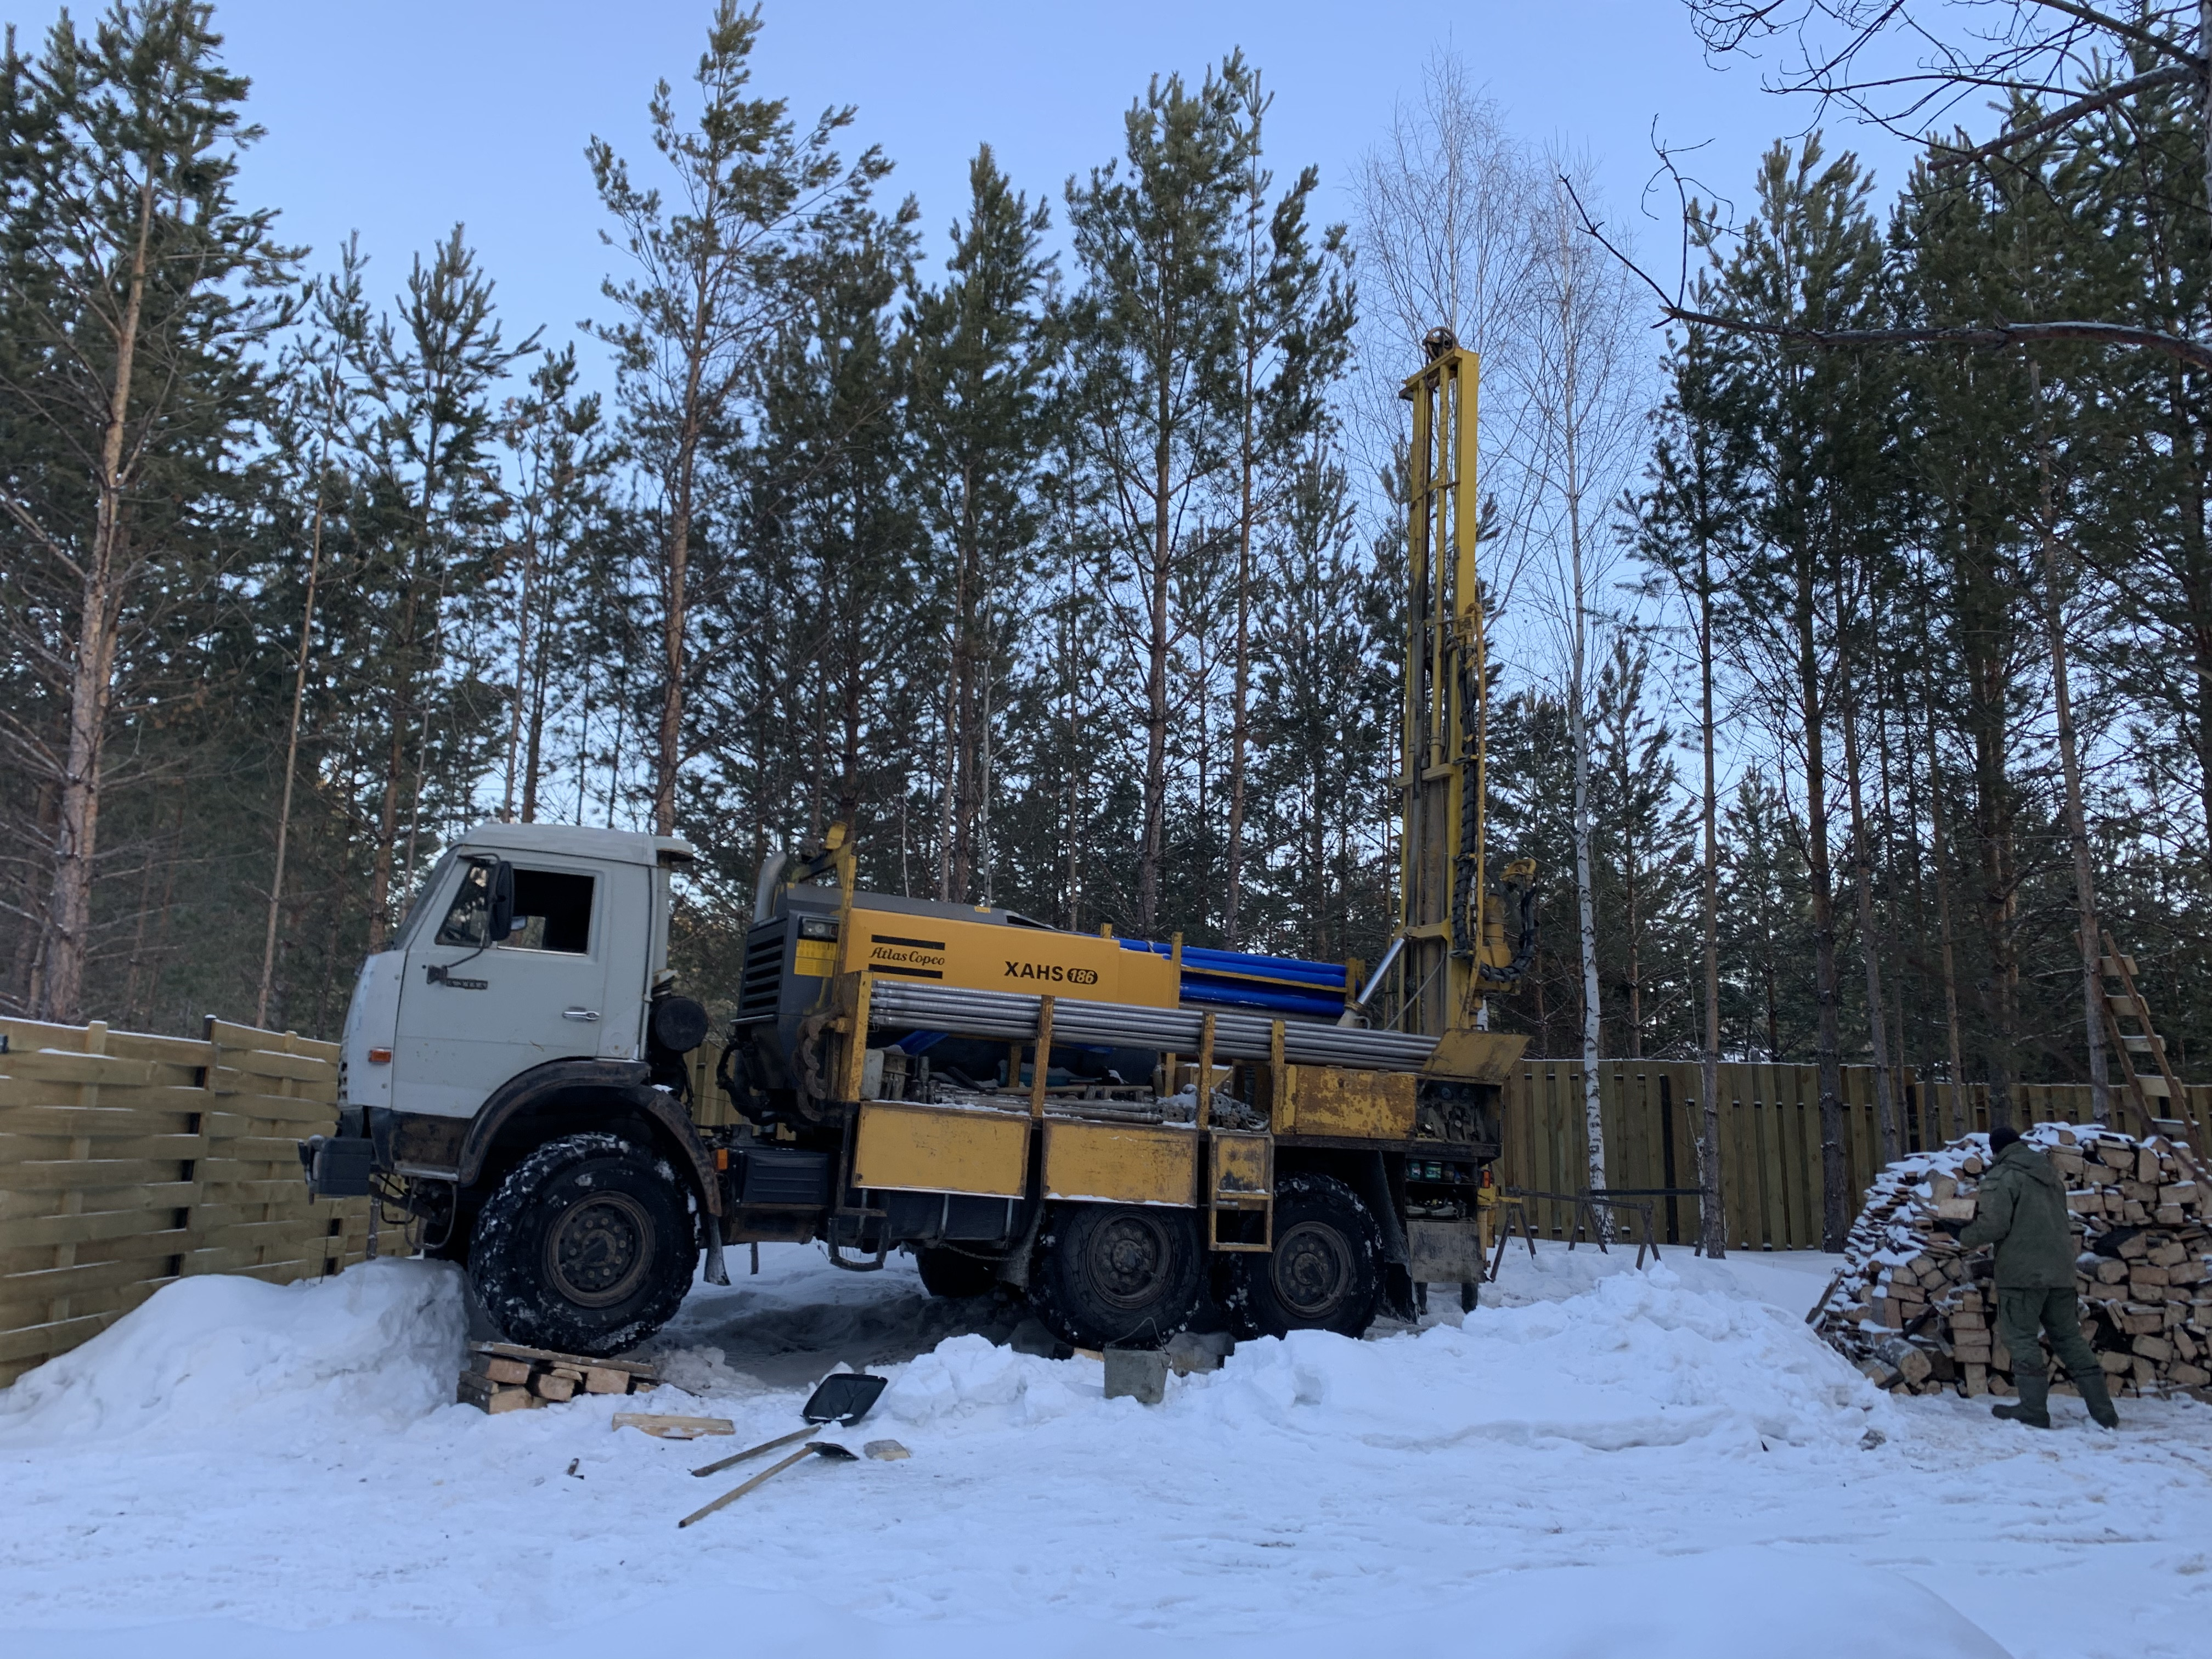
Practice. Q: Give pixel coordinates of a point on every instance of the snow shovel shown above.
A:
(829, 1448)
(843, 1398)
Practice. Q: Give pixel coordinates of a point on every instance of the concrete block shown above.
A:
(1194, 1351)
(1140, 1373)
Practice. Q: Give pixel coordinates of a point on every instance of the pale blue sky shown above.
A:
(401, 117)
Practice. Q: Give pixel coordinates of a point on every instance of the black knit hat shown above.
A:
(2002, 1137)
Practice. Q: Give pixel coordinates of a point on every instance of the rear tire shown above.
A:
(1325, 1272)
(955, 1277)
(1113, 1275)
(586, 1248)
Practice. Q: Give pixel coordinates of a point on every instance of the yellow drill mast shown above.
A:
(1452, 919)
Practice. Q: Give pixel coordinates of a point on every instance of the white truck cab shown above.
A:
(449, 1014)
(523, 1017)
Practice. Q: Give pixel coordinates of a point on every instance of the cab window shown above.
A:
(468, 913)
(552, 911)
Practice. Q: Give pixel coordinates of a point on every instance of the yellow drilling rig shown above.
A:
(1132, 1133)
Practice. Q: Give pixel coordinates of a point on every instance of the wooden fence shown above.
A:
(1770, 1139)
(127, 1162)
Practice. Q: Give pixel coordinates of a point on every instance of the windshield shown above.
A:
(415, 907)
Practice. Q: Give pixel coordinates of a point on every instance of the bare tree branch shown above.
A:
(2031, 47)
(2073, 112)
(1985, 334)
(2141, 36)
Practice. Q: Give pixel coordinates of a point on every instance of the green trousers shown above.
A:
(2023, 1315)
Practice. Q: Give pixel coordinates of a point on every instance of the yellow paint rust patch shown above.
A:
(1327, 1100)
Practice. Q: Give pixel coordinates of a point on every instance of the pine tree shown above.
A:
(1291, 342)
(709, 294)
(430, 370)
(1812, 258)
(1326, 732)
(1766, 928)
(1153, 336)
(133, 292)
(983, 352)
(562, 457)
(1641, 843)
(319, 412)
(823, 555)
(1690, 522)
(1532, 773)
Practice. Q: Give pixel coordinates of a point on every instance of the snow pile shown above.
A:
(1914, 1311)
(966, 1377)
(228, 1357)
(1639, 1360)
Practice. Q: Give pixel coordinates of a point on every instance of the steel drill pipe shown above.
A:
(1013, 1016)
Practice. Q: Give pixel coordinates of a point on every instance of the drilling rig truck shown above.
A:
(1128, 1133)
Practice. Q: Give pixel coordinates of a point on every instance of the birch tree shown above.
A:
(1579, 383)
(1447, 235)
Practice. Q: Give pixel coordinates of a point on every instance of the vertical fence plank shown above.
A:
(1740, 1156)
(1779, 1121)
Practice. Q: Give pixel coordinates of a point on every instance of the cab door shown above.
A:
(475, 1011)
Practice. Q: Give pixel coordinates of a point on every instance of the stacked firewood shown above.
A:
(502, 1376)
(1918, 1315)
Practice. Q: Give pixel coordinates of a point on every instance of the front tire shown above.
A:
(1325, 1272)
(1116, 1275)
(586, 1248)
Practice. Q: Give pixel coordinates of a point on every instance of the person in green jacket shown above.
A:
(2021, 1210)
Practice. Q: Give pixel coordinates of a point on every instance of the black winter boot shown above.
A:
(2098, 1398)
(2034, 1408)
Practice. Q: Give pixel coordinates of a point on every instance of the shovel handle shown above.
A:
(717, 1467)
(735, 1493)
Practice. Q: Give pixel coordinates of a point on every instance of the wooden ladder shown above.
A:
(2146, 1077)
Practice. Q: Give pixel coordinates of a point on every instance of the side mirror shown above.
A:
(499, 924)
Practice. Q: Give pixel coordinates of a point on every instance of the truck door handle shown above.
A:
(579, 1013)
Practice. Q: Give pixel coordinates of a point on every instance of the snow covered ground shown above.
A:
(1598, 1462)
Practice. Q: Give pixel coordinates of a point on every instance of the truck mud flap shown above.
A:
(337, 1166)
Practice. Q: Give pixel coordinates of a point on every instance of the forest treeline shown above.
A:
(1063, 554)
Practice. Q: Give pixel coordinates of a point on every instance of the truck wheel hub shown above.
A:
(1312, 1270)
(596, 1251)
(1129, 1261)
